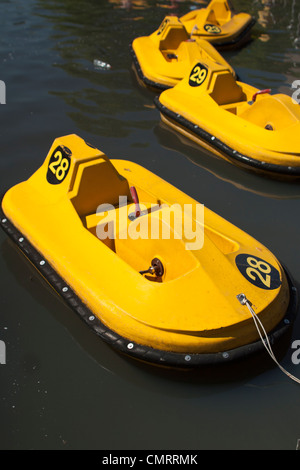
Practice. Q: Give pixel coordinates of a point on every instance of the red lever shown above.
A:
(261, 92)
(135, 199)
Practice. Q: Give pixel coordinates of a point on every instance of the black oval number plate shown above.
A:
(198, 75)
(258, 272)
(59, 165)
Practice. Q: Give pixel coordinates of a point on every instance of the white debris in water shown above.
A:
(99, 64)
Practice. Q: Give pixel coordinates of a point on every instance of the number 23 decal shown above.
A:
(258, 272)
(212, 29)
(59, 165)
(198, 75)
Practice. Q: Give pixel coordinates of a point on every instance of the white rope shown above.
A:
(263, 335)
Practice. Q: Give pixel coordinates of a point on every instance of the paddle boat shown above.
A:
(236, 121)
(111, 238)
(219, 24)
(162, 59)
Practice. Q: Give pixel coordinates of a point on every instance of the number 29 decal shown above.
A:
(59, 165)
(258, 272)
(198, 75)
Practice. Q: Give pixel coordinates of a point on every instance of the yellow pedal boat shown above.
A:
(86, 222)
(162, 59)
(219, 24)
(236, 121)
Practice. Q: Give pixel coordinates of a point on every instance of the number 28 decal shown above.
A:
(59, 165)
(198, 75)
(258, 272)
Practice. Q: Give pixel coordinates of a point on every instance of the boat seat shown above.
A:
(277, 110)
(173, 39)
(219, 12)
(225, 89)
(97, 183)
(173, 33)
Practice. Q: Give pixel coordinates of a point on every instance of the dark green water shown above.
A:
(62, 388)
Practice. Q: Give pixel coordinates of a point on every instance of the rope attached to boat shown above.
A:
(263, 335)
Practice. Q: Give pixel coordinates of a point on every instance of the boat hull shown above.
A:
(72, 219)
(208, 140)
(157, 357)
